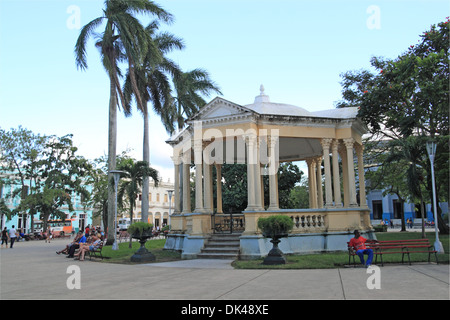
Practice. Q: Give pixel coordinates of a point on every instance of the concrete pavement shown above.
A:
(32, 270)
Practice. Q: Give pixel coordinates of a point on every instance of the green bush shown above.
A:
(274, 226)
(380, 228)
(139, 228)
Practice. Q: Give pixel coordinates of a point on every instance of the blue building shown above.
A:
(80, 217)
(389, 208)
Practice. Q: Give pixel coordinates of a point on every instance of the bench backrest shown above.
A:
(410, 243)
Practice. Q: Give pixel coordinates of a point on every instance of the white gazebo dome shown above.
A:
(263, 106)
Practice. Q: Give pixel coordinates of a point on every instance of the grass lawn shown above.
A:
(340, 259)
(304, 261)
(124, 253)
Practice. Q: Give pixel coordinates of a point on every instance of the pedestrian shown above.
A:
(358, 243)
(12, 236)
(49, 235)
(5, 237)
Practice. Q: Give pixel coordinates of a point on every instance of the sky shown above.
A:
(296, 48)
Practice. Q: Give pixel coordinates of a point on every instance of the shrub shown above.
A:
(139, 228)
(380, 228)
(274, 226)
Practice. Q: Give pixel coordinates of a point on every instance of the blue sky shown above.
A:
(296, 48)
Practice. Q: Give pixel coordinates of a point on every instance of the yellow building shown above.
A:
(262, 135)
(159, 207)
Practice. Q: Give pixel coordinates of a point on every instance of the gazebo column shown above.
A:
(253, 175)
(186, 185)
(259, 189)
(208, 187)
(198, 152)
(336, 178)
(219, 188)
(273, 176)
(319, 182)
(312, 183)
(177, 164)
(351, 172)
(343, 154)
(326, 161)
(362, 183)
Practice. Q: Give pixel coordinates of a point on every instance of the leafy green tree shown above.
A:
(234, 189)
(299, 196)
(123, 40)
(62, 175)
(21, 151)
(409, 96)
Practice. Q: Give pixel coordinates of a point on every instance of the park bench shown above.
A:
(405, 247)
(96, 252)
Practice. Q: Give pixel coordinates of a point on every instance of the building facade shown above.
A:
(390, 208)
(161, 204)
(79, 218)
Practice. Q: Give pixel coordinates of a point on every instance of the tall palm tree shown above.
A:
(122, 40)
(190, 87)
(135, 172)
(153, 86)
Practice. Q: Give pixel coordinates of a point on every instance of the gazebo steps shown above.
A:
(221, 246)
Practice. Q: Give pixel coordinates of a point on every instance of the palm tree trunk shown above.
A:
(130, 244)
(145, 182)
(112, 140)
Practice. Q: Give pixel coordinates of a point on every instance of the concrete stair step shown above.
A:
(221, 246)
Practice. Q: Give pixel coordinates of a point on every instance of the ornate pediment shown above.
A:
(222, 110)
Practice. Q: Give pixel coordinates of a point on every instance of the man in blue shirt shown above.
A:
(76, 245)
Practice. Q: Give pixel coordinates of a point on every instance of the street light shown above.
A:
(170, 204)
(431, 149)
(116, 174)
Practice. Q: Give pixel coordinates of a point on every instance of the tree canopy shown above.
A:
(405, 103)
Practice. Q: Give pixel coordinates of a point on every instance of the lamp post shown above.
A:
(116, 174)
(431, 149)
(170, 204)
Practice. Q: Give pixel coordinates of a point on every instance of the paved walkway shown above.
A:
(32, 270)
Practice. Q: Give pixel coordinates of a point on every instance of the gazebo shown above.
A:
(262, 135)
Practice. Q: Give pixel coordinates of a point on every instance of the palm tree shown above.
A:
(123, 40)
(153, 86)
(135, 174)
(189, 87)
(410, 152)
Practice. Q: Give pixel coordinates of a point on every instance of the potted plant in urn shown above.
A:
(141, 231)
(275, 227)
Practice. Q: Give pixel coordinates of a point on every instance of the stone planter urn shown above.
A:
(275, 255)
(275, 227)
(141, 231)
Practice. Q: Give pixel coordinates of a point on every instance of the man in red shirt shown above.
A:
(358, 244)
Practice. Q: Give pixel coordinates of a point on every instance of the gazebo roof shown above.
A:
(262, 105)
(221, 112)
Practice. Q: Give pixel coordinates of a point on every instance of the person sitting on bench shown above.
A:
(96, 242)
(67, 248)
(358, 243)
(77, 244)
